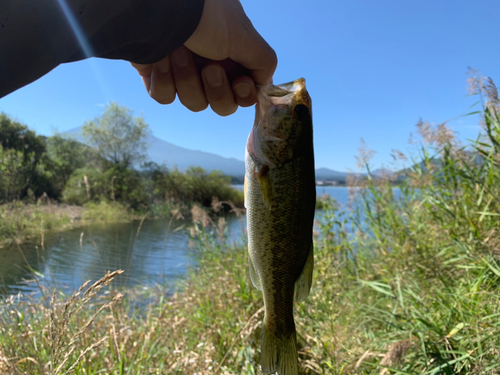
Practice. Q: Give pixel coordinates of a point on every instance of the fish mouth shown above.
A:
(281, 94)
(294, 86)
(283, 89)
(271, 95)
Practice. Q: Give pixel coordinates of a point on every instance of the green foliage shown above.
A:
(196, 185)
(67, 155)
(409, 279)
(113, 184)
(65, 169)
(106, 212)
(117, 136)
(24, 159)
(14, 135)
(20, 221)
(155, 188)
(87, 185)
(12, 174)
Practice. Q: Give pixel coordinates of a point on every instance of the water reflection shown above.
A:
(160, 253)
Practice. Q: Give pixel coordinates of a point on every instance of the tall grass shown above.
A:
(21, 221)
(406, 282)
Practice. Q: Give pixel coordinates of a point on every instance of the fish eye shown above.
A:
(300, 111)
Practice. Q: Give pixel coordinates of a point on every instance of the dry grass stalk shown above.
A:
(475, 82)
(398, 155)
(491, 91)
(485, 87)
(199, 215)
(217, 205)
(63, 343)
(87, 187)
(176, 214)
(243, 334)
(355, 184)
(436, 136)
(221, 227)
(396, 354)
(4, 363)
(367, 354)
(42, 233)
(135, 240)
(365, 154)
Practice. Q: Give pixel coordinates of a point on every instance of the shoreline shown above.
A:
(21, 222)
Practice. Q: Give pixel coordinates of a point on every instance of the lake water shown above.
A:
(160, 253)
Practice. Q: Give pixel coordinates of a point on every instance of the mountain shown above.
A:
(162, 152)
(382, 172)
(330, 175)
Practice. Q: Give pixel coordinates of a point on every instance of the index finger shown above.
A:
(144, 70)
(258, 57)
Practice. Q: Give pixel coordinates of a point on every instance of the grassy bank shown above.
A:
(403, 284)
(20, 222)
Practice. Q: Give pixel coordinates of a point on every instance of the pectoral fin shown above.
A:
(304, 282)
(253, 275)
(266, 188)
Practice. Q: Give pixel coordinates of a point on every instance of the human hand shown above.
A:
(220, 64)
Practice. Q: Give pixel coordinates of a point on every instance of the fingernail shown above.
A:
(242, 90)
(180, 58)
(213, 76)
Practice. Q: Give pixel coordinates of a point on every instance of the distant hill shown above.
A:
(325, 174)
(382, 172)
(162, 152)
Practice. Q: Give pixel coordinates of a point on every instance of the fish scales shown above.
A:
(280, 196)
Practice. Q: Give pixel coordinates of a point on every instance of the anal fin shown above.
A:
(253, 275)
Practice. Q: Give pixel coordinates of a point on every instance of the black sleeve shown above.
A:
(38, 35)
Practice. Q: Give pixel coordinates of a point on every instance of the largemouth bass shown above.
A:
(280, 197)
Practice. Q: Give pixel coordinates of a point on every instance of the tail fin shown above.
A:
(279, 354)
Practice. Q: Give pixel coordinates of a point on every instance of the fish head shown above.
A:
(283, 123)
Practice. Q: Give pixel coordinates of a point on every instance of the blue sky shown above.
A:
(373, 68)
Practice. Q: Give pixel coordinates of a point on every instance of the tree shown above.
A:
(24, 160)
(117, 136)
(16, 136)
(12, 174)
(66, 156)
